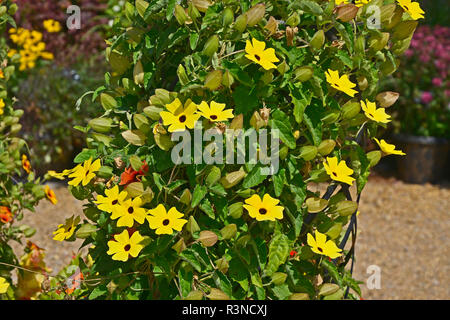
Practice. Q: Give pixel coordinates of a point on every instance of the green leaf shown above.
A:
(279, 179)
(278, 253)
(193, 40)
(313, 122)
(285, 132)
(333, 271)
(199, 193)
(84, 155)
(245, 99)
(238, 73)
(254, 177)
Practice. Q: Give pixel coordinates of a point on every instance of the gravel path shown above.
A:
(402, 229)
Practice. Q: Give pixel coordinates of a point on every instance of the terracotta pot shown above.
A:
(426, 158)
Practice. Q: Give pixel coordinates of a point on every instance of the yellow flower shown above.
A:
(26, 165)
(320, 245)
(66, 230)
(2, 76)
(371, 112)
(47, 55)
(50, 195)
(360, 3)
(339, 2)
(178, 118)
(59, 175)
(84, 173)
(388, 148)
(165, 222)
(215, 112)
(338, 172)
(340, 83)
(52, 26)
(11, 52)
(413, 8)
(125, 246)
(2, 106)
(113, 201)
(257, 53)
(4, 285)
(129, 212)
(265, 209)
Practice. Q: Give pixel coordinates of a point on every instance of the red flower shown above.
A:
(293, 253)
(5, 214)
(130, 175)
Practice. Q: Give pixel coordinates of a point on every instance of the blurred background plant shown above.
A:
(73, 61)
(423, 107)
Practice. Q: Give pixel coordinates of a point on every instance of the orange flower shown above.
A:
(74, 282)
(5, 214)
(130, 175)
(50, 195)
(26, 164)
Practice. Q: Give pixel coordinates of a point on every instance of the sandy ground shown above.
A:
(402, 229)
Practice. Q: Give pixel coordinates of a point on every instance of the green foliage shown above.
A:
(196, 50)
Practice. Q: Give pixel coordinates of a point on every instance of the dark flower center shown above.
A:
(127, 247)
(70, 228)
(213, 117)
(320, 249)
(130, 210)
(334, 174)
(182, 118)
(114, 202)
(262, 211)
(165, 222)
(257, 57)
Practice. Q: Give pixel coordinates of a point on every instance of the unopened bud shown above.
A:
(227, 17)
(213, 80)
(255, 14)
(303, 74)
(241, 23)
(211, 46)
(317, 40)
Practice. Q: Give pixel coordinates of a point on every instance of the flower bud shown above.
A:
(345, 208)
(293, 20)
(334, 231)
(107, 101)
(233, 178)
(217, 294)
(255, 14)
(211, 46)
(186, 197)
(308, 152)
(101, 124)
(227, 79)
(317, 40)
(303, 74)
(350, 109)
(192, 225)
(360, 44)
(227, 17)
(138, 73)
(229, 231)
(362, 82)
(236, 210)
(284, 151)
(331, 117)
(182, 76)
(241, 23)
(378, 42)
(179, 246)
(194, 295)
(326, 147)
(222, 264)
(180, 14)
(283, 67)
(213, 80)
(13, 9)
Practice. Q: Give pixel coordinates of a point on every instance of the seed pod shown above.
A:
(202, 5)
(335, 231)
(211, 46)
(350, 109)
(317, 40)
(13, 9)
(284, 151)
(192, 225)
(335, 296)
(283, 67)
(326, 147)
(387, 98)
(256, 121)
(163, 141)
(303, 74)
(153, 112)
(255, 14)
(213, 80)
(227, 17)
(194, 295)
(107, 101)
(378, 42)
(193, 11)
(299, 296)
(308, 152)
(272, 25)
(236, 210)
(163, 95)
(345, 208)
(331, 117)
(101, 124)
(328, 288)
(85, 231)
(237, 122)
(346, 12)
(293, 20)
(222, 265)
(208, 238)
(180, 14)
(241, 23)
(217, 294)
(118, 62)
(229, 231)
(179, 246)
(233, 178)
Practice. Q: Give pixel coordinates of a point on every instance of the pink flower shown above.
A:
(437, 82)
(424, 58)
(426, 97)
(409, 53)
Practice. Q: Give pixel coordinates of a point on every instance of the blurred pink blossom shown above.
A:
(437, 82)
(426, 97)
